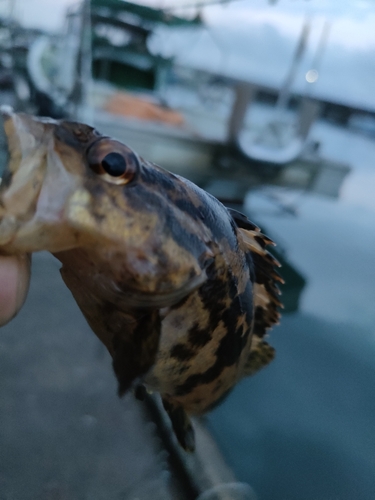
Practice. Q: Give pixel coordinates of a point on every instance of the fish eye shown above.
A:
(114, 164)
(113, 161)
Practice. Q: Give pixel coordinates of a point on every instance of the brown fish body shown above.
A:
(178, 288)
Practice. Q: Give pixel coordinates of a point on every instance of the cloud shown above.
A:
(256, 48)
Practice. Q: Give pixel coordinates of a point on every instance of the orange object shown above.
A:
(128, 105)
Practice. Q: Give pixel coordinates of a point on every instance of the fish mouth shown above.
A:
(17, 193)
(34, 189)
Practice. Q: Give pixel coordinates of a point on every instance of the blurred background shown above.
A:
(270, 106)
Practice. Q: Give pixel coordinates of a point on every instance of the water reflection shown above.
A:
(303, 428)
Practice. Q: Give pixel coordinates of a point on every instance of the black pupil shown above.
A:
(114, 164)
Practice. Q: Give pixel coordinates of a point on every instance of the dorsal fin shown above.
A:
(265, 276)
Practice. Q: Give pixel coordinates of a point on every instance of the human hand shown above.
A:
(14, 284)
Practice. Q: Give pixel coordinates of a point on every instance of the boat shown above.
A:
(102, 72)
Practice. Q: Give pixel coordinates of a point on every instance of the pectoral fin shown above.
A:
(261, 355)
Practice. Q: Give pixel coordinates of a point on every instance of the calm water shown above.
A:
(304, 428)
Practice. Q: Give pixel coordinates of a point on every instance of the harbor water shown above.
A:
(303, 428)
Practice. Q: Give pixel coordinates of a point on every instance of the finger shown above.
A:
(14, 284)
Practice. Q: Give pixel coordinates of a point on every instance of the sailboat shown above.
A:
(280, 142)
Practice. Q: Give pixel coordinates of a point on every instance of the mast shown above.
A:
(284, 95)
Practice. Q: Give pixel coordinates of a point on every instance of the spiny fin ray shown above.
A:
(266, 291)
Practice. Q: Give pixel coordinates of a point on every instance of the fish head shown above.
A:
(95, 204)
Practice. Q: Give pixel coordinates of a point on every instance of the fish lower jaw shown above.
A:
(153, 300)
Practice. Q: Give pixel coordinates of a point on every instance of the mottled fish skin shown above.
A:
(206, 337)
(180, 289)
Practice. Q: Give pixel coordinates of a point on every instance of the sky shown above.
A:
(254, 40)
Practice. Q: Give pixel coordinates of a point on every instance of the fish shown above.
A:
(180, 289)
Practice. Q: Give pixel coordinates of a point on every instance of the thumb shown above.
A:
(14, 284)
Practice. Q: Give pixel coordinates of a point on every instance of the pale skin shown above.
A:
(14, 284)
